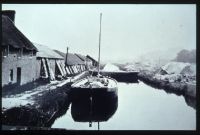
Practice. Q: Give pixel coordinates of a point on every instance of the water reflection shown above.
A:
(190, 101)
(95, 108)
(137, 107)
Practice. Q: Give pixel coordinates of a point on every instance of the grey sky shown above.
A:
(127, 30)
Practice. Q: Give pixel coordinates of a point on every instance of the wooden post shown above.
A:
(66, 57)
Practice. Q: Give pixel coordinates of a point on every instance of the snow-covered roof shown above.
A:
(46, 52)
(110, 67)
(175, 67)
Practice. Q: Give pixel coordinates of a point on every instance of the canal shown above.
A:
(140, 107)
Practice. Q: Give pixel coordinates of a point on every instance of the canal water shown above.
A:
(140, 107)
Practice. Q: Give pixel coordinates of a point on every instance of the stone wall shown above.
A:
(12, 62)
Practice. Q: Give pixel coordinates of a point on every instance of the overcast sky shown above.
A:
(127, 30)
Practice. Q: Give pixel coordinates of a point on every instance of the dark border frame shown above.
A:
(161, 132)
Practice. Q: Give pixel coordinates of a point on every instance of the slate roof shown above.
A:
(82, 57)
(46, 52)
(13, 37)
(72, 59)
(60, 53)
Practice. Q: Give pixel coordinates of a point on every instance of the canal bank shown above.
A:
(41, 106)
(180, 88)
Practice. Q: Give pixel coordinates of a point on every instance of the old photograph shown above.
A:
(98, 67)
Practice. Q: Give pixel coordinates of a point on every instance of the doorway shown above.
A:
(18, 75)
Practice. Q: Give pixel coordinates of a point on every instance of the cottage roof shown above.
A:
(61, 53)
(82, 57)
(72, 59)
(13, 37)
(46, 52)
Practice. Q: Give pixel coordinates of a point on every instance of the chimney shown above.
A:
(10, 14)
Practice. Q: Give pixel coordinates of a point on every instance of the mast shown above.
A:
(99, 44)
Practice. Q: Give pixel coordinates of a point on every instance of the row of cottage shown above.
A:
(24, 61)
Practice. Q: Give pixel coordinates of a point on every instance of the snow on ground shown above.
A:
(26, 97)
(175, 67)
(171, 71)
(170, 78)
(54, 82)
(63, 83)
(74, 78)
(177, 71)
(14, 102)
(110, 67)
(193, 69)
(20, 99)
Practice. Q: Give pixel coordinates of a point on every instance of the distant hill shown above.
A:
(186, 56)
(159, 57)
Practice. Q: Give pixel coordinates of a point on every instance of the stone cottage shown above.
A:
(18, 54)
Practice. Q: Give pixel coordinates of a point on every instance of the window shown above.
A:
(11, 75)
(31, 54)
(20, 51)
(5, 52)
